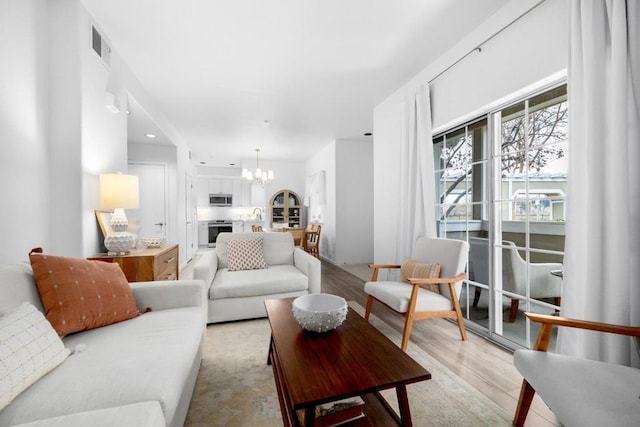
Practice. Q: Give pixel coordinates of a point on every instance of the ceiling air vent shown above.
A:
(100, 46)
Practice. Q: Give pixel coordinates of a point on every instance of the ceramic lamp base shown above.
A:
(119, 243)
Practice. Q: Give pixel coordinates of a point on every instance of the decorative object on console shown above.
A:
(119, 192)
(29, 349)
(152, 242)
(319, 312)
(78, 294)
(261, 177)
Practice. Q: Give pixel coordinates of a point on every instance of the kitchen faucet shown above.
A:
(259, 213)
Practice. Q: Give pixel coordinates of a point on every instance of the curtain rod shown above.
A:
(479, 47)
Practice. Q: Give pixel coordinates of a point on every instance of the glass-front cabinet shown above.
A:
(286, 210)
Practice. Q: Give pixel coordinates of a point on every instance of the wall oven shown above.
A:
(216, 227)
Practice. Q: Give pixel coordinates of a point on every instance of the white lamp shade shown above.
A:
(118, 191)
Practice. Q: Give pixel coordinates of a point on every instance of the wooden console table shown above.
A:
(146, 264)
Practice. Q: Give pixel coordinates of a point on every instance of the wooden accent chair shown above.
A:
(297, 233)
(579, 391)
(411, 298)
(311, 241)
(542, 284)
(256, 228)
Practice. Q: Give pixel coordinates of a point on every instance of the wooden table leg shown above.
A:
(310, 416)
(270, 351)
(403, 404)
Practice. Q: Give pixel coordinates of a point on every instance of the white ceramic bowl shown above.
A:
(152, 242)
(319, 312)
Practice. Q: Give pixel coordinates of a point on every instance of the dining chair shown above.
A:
(297, 233)
(431, 281)
(256, 228)
(311, 241)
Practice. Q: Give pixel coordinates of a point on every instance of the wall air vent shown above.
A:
(100, 46)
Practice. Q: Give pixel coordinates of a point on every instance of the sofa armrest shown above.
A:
(167, 294)
(310, 266)
(206, 267)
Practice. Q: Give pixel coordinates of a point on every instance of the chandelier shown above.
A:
(261, 177)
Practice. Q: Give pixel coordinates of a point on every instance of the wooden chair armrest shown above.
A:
(377, 267)
(633, 331)
(384, 266)
(435, 280)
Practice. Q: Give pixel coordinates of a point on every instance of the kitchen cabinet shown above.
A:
(237, 226)
(233, 186)
(203, 233)
(286, 208)
(202, 194)
(220, 186)
(146, 264)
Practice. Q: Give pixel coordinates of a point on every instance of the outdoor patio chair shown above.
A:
(543, 284)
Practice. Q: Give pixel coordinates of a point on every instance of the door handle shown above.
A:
(159, 223)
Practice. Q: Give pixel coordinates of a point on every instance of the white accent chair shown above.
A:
(580, 392)
(543, 284)
(414, 302)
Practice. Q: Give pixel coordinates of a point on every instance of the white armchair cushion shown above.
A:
(583, 392)
(29, 349)
(397, 294)
(276, 279)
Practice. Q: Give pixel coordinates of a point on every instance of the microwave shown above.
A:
(220, 199)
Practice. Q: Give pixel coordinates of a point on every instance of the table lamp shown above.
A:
(118, 192)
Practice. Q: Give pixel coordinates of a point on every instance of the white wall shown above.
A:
(529, 51)
(56, 135)
(325, 159)
(24, 162)
(354, 202)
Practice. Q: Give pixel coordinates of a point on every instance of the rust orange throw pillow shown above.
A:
(78, 294)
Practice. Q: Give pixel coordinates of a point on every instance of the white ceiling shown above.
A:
(314, 69)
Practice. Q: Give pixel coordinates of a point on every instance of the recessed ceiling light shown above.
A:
(149, 135)
(368, 134)
(232, 164)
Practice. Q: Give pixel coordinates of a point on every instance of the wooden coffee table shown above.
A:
(353, 360)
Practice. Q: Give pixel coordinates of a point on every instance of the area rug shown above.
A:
(235, 386)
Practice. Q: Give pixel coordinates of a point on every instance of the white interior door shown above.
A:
(150, 219)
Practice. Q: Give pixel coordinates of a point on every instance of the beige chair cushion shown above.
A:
(411, 269)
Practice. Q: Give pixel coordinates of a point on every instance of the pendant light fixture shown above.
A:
(261, 177)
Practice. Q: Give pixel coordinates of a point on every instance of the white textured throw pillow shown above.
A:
(29, 348)
(245, 254)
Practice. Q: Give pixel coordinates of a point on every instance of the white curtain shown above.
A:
(602, 253)
(417, 188)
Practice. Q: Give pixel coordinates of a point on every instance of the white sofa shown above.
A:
(139, 372)
(235, 295)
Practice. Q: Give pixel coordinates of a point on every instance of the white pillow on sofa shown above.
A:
(29, 348)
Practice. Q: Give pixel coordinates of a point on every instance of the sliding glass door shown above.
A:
(501, 185)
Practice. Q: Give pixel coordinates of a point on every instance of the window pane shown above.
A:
(513, 138)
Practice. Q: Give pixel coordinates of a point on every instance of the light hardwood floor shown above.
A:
(484, 365)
